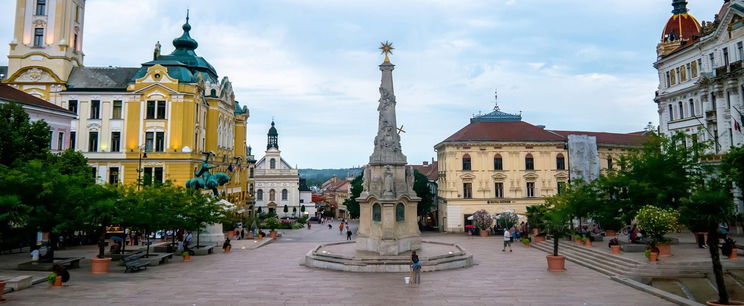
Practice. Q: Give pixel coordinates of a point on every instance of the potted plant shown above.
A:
(526, 242)
(482, 220)
(556, 222)
(728, 248)
(587, 242)
(536, 221)
(652, 253)
(272, 223)
(578, 239)
(186, 256)
(615, 246)
(656, 222)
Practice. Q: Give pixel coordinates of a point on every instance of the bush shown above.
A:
(656, 222)
(297, 226)
(482, 220)
(272, 223)
(507, 220)
(302, 220)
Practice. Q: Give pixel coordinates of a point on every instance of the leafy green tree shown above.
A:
(201, 210)
(352, 206)
(22, 139)
(506, 220)
(536, 217)
(733, 166)
(708, 206)
(421, 187)
(557, 218)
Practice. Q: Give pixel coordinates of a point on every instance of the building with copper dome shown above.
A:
(700, 73)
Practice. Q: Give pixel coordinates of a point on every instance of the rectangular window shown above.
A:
(77, 14)
(158, 176)
(94, 172)
(679, 74)
(499, 190)
(740, 48)
(498, 164)
(113, 178)
(38, 37)
(93, 142)
(529, 163)
(147, 176)
(725, 57)
(116, 114)
(681, 110)
(561, 187)
(692, 108)
(40, 7)
(689, 70)
(150, 110)
(149, 141)
(694, 69)
(682, 74)
(51, 140)
(700, 64)
(674, 76)
(467, 190)
(712, 60)
(60, 141)
(73, 136)
(74, 42)
(161, 110)
(713, 101)
(115, 141)
(72, 106)
(530, 189)
(95, 109)
(668, 79)
(560, 163)
(609, 162)
(671, 112)
(159, 141)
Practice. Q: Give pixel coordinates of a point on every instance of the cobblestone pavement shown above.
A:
(271, 275)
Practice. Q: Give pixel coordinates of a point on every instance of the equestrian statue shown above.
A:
(204, 179)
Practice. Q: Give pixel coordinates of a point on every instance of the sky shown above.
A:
(312, 66)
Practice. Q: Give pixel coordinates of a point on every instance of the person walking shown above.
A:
(507, 240)
(330, 226)
(341, 228)
(348, 234)
(415, 269)
(227, 247)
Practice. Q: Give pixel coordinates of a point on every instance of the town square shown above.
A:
(418, 152)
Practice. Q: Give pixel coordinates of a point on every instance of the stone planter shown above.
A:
(615, 249)
(610, 233)
(484, 233)
(733, 254)
(588, 243)
(556, 263)
(539, 238)
(731, 302)
(653, 257)
(665, 250)
(100, 265)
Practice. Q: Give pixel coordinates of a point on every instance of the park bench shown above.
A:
(19, 282)
(134, 263)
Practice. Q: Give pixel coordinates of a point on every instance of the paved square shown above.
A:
(271, 275)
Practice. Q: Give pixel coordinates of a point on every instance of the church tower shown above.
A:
(273, 138)
(46, 45)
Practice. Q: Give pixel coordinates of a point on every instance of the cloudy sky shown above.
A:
(312, 65)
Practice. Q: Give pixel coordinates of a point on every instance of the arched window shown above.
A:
(560, 162)
(272, 163)
(400, 212)
(466, 162)
(272, 195)
(529, 162)
(498, 163)
(609, 162)
(285, 194)
(376, 213)
(259, 195)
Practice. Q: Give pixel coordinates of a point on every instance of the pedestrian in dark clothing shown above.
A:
(348, 235)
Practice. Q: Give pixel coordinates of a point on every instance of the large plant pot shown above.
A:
(653, 257)
(57, 282)
(578, 241)
(588, 243)
(99, 265)
(731, 302)
(2, 289)
(615, 249)
(665, 250)
(272, 234)
(733, 254)
(610, 233)
(484, 233)
(539, 238)
(556, 263)
(535, 231)
(187, 257)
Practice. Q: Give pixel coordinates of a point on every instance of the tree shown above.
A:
(200, 210)
(657, 222)
(580, 199)
(557, 218)
(709, 205)
(506, 220)
(536, 217)
(421, 187)
(22, 139)
(482, 219)
(352, 206)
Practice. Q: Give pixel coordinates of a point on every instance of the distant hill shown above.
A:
(316, 177)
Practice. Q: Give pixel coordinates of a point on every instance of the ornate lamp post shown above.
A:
(142, 154)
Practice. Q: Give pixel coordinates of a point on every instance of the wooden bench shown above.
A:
(19, 282)
(134, 263)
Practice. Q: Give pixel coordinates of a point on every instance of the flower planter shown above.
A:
(484, 233)
(57, 282)
(588, 243)
(578, 241)
(653, 256)
(99, 265)
(665, 250)
(615, 249)
(272, 234)
(535, 232)
(733, 254)
(556, 263)
(187, 257)
(539, 238)
(610, 233)
(731, 302)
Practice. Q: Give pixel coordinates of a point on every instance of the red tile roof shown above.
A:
(9, 93)
(431, 171)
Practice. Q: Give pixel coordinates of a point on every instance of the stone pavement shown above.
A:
(271, 275)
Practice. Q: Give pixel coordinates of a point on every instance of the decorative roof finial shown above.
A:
(680, 7)
(496, 100)
(386, 48)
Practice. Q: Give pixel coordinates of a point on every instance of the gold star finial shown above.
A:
(387, 49)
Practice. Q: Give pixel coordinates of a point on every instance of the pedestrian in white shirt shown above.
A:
(507, 240)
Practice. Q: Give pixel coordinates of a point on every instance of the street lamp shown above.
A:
(142, 154)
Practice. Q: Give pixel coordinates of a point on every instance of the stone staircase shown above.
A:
(608, 264)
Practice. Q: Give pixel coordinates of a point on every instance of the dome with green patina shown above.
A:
(183, 64)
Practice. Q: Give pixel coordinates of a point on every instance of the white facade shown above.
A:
(701, 84)
(277, 184)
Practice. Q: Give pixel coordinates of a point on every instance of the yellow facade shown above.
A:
(171, 113)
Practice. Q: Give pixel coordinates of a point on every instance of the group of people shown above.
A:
(343, 225)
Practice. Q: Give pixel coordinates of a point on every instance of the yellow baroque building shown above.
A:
(500, 163)
(143, 124)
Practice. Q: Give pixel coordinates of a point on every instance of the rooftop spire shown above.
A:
(387, 143)
(680, 7)
(185, 41)
(496, 100)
